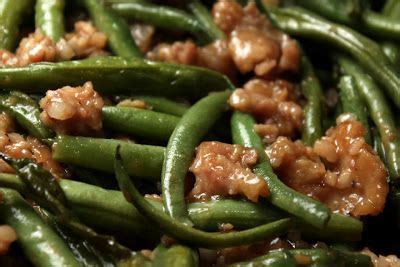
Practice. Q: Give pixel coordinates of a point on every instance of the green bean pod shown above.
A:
(181, 147)
(139, 122)
(311, 89)
(163, 17)
(291, 201)
(11, 16)
(187, 234)
(117, 30)
(97, 153)
(107, 209)
(164, 105)
(49, 18)
(380, 112)
(115, 75)
(391, 10)
(380, 25)
(300, 22)
(175, 256)
(272, 259)
(203, 15)
(26, 112)
(353, 103)
(40, 243)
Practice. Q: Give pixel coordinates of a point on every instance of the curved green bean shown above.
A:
(117, 30)
(380, 112)
(115, 75)
(390, 48)
(163, 17)
(26, 112)
(139, 122)
(40, 243)
(107, 209)
(187, 234)
(11, 16)
(272, 259)
(311, 89)
(300, 22)
(175, 256)
(97, 153)
(164, 105)
(49, 18)
(353, 103)
(181, 147)
(291, 201)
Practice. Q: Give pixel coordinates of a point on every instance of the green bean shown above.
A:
(49, 18)
(205, 18)
(96, 153)
(380, 112)
(181, 147)
(39, 242)
(390, 48)
(114, 75)
(353, 103)
(26, 112)
(378, 145)
(139, 122)
(300, 22)
(107, 209)
(175, 256)
(272, 259)
(304, 207)
(163, 17)
(187, 234)
(11, 16)
(164, 105)
(117, 30)
(311, 89)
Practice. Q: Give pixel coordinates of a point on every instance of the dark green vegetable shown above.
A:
(300, 22)
(353, 103)
(97, 153)
(49, 18)
(390, 48)
(304, 207)
(380, 112)
(377, 24)
(26, 112)
(114, 75)
(139, 122)
(164, 105)
(163, 17)
(35, 237)
(11, 16)
(181, 147)
(203, 15)
(175, 256)
(311, 89)
(117, 30)
(272, 259)
(186, 233)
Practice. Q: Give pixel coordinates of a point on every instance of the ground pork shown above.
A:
(224, 170)
(73, 110)
(143, 35)
(273, 104)
(341, 170)
(382, 261)
(133, 103)
(7, 236)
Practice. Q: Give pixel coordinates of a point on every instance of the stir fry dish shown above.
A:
(199, 133)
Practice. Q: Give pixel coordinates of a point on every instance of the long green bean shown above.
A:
(196, 122)
(115, 75)
(49, 18)
(39, 242)
(390, 48)
(300, 22)
(311, 89)
(139, 122)
(97, 153)
(11, 16)
(186, 233)
(164, 105)
(380, 112)
(175, 256)
(353, 103)
(304, 207)
(116, 29)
